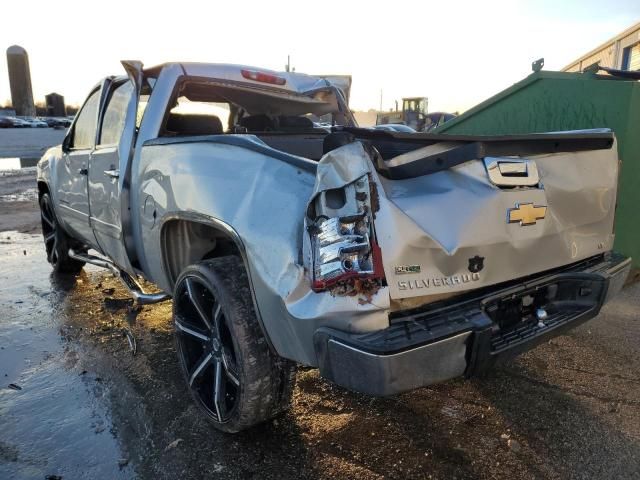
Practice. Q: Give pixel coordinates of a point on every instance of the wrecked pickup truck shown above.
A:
(387, 260)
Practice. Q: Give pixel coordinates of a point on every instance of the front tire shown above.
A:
(56, 241)
(231, 372)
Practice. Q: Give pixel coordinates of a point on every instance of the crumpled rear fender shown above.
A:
(263, 199)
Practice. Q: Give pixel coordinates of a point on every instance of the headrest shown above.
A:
(295, 122)
(194, 124)
(257, 123)
(335, 140)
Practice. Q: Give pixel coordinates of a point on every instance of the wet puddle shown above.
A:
(54, 415)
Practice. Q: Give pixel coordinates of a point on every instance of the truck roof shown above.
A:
(261, 90)
(292, 82)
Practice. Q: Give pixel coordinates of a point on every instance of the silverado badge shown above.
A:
(526, 214)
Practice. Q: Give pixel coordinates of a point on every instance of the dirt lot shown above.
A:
(75, 402)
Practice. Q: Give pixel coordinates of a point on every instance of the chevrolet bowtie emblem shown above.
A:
(526, 213)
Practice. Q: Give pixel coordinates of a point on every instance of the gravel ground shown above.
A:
(88, 408)
(75, 403)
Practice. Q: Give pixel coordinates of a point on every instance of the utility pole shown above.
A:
(380, 99)
(287, 67)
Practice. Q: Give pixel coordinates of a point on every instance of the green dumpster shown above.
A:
(553, 101)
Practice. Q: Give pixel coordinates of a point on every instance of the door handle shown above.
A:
(112, 173)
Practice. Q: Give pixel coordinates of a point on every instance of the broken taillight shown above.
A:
(344, 250)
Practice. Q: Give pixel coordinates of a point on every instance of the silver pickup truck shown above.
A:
(387, 260)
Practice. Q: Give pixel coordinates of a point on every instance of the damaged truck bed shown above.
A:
(389, 261)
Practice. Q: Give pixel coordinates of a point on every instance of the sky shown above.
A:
(456, 53)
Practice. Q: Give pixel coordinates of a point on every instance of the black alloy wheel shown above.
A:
(236, 379)
(206, 349)
(56, 241)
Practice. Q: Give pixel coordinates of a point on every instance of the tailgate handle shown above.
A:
(513, 169)
(512, 172)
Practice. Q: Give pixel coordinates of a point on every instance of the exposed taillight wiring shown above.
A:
(346, 257)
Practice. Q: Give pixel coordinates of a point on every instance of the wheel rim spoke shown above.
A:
(47, 220)
(229, 370)
(49, 232)
(206, 348)
(49, 237)
(201, 366)
(192, 332)
(218, 391)
(195, 301)
(216, 321)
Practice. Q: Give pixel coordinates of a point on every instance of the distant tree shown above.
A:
(72, 109)
(41, 108)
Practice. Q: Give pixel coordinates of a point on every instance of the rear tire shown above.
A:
(56, 241)
(234, 377)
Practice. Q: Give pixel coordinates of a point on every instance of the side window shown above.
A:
(143, 101)
(115, 114)
(84, 132)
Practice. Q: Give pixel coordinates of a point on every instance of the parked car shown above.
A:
(387, 261)
(435, 119)
(57, 122)
(17, 122)
(394, 127)
(35, 122)
(51, 121)
(6, 122)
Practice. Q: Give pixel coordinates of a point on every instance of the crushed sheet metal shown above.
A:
(440, 221)
(341, 167)
(337, 169)
(257, 187)
(133, 346)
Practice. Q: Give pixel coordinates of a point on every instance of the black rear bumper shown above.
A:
(467, 337)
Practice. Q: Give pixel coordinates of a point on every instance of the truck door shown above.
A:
(71, 172)
(108, 185)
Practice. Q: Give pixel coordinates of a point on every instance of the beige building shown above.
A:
(621, 52)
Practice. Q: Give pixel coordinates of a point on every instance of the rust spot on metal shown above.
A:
(365, 288)
(374, 199)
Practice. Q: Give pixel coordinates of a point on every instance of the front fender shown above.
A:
(45, 164)
(46, 173)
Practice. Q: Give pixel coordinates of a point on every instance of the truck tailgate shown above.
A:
(456, 229)
(429, 216)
